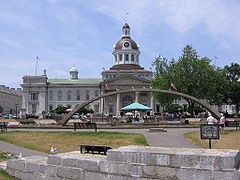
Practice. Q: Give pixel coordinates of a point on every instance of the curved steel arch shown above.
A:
(209, 108)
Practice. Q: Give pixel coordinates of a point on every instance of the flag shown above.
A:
(173, 86)
(106, 86)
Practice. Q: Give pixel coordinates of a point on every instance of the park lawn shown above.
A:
(229, 140)
(69, 141)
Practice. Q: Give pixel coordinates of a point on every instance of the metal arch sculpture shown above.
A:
(209, 108)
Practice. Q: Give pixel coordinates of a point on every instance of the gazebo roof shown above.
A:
(136, 106)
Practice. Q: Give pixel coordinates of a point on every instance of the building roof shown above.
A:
(73, 69)
(120, 43)
(88, 81)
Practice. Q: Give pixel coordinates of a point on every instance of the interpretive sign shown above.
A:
(209, 131)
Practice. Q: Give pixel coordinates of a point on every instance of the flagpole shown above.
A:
(37, 58)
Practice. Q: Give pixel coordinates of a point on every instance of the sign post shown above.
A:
(209, 131)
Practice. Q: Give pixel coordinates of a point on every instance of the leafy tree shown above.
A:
(85, 111)
(232, 86)
(173, 108)
(162, 80)
(192, 75)
(60, 110)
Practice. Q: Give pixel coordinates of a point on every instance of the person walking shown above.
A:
(222, 122)
(210, 119)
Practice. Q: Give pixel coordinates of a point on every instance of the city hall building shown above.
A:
(41, 94)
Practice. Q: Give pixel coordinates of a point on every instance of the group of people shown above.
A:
(221, 122)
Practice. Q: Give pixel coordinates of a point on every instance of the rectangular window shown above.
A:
(132, 58)
(120, 57)
(126, 57)
(34, 96)
(51, 95)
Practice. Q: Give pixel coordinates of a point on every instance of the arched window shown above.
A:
(87, 94)
(59, 95)
(78, 94)
(96, 93)
(69, 95)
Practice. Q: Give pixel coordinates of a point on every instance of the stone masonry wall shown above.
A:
(132, 163)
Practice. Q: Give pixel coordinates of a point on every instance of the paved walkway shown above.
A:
(172, 138)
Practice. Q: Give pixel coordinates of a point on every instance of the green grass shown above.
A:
(69, 141)
(228, 140)
(6, 176)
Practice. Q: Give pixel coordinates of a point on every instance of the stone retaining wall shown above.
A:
(132, 163)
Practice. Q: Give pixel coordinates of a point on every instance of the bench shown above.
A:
(28, 122)
(236, 123)
(3, 126)
(85, 126)
(92, 149)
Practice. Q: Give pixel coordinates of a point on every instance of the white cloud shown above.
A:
(220, 17)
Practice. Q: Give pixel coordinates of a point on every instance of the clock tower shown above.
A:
(126, 51)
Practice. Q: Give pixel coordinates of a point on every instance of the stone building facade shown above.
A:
(41, 94)
(10, 100)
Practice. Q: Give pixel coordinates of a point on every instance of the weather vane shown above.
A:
(125, 17)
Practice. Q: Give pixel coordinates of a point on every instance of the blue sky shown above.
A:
(81, 33)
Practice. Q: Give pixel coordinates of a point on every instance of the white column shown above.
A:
(118, 105)
(136, 96)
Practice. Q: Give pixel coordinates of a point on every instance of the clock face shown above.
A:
(126, 44)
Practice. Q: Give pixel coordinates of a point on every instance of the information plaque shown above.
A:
(209, 131)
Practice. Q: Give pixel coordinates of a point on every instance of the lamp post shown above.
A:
(16, 109)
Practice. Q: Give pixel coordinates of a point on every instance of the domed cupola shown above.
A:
(126, 51)
(73, 73)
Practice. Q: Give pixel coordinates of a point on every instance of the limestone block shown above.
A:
(48, 170)
(163, 173)
(88, 163)
(88, 175)
(226, 175)
(196, 174)
(15, 173)
(54, 178)
(136, 169)
(31, 176)
(16, 165)
(209, 161)
(184, 159)
(229, 162)
(54, 160)
(114, 167)
(32, 167)
(71, 173)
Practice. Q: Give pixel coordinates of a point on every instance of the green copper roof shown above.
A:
(89, 81)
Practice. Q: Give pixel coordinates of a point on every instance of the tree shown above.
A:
(162, 80)
(60, 110)
(1, 109)
(192, 75)
(232, 86)
(85, 111)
